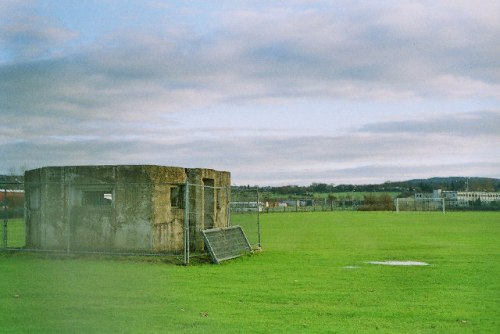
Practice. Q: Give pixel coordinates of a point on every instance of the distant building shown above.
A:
(248, 206)
(12, 202)
(466, 197)
(461, 196)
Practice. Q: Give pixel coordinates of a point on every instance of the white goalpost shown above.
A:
(420, 204)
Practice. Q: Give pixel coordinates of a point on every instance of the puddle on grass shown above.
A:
(399, 263)
(391, 263)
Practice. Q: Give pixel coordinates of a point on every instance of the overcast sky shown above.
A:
(275, 92)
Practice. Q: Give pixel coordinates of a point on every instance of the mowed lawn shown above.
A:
(312, 276)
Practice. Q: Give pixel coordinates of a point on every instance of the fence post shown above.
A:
(228, 201)
(186, 224)
(5, 217)
(67, 214)
(258, 219)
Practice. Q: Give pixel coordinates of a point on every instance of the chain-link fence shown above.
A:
(367, 203)
(152, 218)
(309, 205)
(117, 218)
(444, 204)
(12, 214)
(246, 207)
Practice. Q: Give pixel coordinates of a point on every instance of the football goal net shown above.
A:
(420, 204)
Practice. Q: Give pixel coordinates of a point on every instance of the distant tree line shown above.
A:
(403, 187)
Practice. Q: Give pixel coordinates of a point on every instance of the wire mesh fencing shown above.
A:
(116, 218)
(420, 204)
(246, 208)
(12, 233)
(309, 205)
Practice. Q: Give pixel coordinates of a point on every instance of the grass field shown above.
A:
(312, 276)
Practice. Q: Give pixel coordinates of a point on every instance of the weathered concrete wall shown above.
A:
(40, 185)
(167, 220)
(208, 213)
(121, 208)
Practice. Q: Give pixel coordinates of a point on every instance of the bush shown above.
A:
(382, 202)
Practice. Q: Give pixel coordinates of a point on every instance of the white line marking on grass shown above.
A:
(399, 263)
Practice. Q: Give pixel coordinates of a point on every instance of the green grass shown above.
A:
(15, 233)
(299, 283)
(248, 222)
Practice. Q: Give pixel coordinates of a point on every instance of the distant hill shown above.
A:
(454, 183)
(458, 183)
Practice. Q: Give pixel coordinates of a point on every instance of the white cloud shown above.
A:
(469, 125)
(119, 99)
(25, 35)
(371, 53)
(356, 157)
